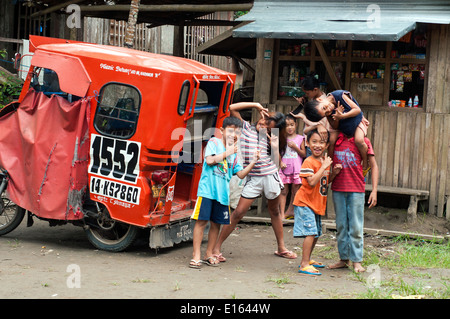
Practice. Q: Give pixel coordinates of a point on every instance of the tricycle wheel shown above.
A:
(11, 215)
(111, 235)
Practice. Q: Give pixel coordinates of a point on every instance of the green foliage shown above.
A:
(10, 86)
(237, 14)
(9, 91)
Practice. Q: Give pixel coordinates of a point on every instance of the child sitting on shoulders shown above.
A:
(343, 113)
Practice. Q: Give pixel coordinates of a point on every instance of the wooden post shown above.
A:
(412, 210)
(178, 40)
(327, 63)
(263, 72)
(131, 25)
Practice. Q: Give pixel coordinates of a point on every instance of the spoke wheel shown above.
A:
(11, 215)
(111, 235)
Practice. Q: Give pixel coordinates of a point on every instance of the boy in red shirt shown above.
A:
(348, 198)
(311, 199)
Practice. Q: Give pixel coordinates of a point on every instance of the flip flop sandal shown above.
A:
(365, 171)
(220, 257)
(212, 263)
(196, 264)
(287, 254)
(309, 271)
(316, 264)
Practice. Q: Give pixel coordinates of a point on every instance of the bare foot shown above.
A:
(357, 267)
(339, 264)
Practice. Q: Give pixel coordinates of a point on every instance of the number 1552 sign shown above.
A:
(114, 158)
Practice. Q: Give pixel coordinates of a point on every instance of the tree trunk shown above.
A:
(131, 25)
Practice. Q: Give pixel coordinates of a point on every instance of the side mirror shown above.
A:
(17, 58)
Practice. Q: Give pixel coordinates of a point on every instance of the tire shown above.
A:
(110, 235)
(11, 215)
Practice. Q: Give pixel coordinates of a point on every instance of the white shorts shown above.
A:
(255, 186)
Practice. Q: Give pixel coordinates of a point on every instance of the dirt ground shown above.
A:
(59, 263)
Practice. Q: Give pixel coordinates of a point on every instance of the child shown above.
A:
(264, 177)
(221, 163)
(348, 199)
(343, 113)
(311, 87)
(311, 199)
(290, 165)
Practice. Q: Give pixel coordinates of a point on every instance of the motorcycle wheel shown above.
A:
(111, 235)
(11, 215)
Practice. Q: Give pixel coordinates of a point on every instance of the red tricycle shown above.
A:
(110, 139)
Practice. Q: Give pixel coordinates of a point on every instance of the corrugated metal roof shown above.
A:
(330, 30)
(382, 20)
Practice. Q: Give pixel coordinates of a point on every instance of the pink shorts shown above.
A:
(290, 179)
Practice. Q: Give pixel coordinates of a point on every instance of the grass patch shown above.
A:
(411, 253)
(280, 281)
(403, 260)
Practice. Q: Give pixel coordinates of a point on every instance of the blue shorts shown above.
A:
(210, 209)
(306, 222)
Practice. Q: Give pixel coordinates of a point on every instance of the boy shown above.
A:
(348, 198)
(343, 113)
(221, 163)
(310, 201)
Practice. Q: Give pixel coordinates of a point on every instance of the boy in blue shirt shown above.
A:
(221, 163)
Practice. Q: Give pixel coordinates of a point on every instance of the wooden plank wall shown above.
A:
(412, 151)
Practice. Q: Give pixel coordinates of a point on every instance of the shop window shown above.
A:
(407, 69)
(117, 110)
(378, 73)
(294, 65)
(290, 76)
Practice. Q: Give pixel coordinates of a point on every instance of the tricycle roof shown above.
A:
(111, 54)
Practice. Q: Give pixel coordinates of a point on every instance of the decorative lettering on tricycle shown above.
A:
(129, 71)
(211, 77)
(170, 193)
(114, 158)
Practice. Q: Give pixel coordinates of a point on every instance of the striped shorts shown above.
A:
(210, 209)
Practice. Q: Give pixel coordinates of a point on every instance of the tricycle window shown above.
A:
(47, 81)
(117, 110)
(184, 95)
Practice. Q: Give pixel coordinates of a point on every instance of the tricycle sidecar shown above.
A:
(111, 139)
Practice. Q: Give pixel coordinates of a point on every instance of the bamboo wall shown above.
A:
(158, 39)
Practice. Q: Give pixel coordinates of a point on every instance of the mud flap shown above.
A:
(168, 235)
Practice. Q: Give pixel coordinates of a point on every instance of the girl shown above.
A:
(290, 165)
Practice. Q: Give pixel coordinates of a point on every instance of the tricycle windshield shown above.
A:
(118, 110)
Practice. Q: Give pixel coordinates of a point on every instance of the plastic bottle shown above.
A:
(416, 101)
(410, 102)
